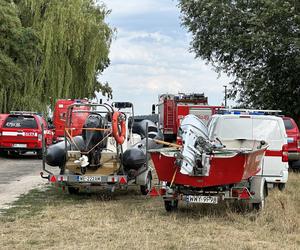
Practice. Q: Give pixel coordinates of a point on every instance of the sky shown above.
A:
(150, 56)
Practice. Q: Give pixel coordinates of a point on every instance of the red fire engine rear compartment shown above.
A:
(173, 108)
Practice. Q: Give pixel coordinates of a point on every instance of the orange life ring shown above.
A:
(118, 135)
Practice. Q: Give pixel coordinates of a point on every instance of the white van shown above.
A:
(268, 128)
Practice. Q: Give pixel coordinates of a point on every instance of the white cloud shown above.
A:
(146, 63)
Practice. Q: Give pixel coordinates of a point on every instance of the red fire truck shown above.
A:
(59, 118)
(173, 108)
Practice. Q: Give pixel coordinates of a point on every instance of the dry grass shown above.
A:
(51, 220)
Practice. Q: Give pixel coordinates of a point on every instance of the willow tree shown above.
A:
(74, 44)
(18, 49)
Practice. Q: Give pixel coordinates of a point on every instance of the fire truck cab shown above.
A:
(173, 108)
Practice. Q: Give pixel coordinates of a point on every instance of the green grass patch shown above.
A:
(36, 200)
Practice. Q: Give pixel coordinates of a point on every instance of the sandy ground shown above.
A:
(18, 175)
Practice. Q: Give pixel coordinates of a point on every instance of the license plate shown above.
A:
(89, 178)
(20, 145)
(202, 199)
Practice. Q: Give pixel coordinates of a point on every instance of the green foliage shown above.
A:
(255, 41)
(51, 48)
(17, 48)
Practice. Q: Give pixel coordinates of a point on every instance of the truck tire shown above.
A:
(39, 154)
(3, 153)
(14, 153)
(281, 186)
(145, 189)
(171, 205)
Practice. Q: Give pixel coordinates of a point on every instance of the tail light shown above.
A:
(40, 137)
(153, 192)
(122, 180)
(162, 191)
(285, 157)
(298, 141)
(179, 140)
(244, 194)
(53, 179)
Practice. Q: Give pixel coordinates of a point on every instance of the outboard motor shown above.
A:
(92, 138)
(194, 158)
(135, 157)
(140, 128)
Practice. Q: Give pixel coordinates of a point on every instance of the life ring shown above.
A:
(116, 121)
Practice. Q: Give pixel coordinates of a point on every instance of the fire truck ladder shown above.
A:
(170, 116)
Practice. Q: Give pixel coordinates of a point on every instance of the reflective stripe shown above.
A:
(9, 133)
(273, 153)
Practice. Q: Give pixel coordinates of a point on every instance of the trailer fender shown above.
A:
(258, 189)
(141, 179)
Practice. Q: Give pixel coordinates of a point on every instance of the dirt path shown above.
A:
(18, 176)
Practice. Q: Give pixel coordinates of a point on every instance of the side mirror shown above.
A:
(153, 109)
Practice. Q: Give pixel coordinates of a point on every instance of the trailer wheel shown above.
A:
(260, 205)
(171, 205)
(73, 190)
(145, 189)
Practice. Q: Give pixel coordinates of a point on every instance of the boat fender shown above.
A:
(118, 119)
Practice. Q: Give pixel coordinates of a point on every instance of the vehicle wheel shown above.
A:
(73, 190)
(294, 166)
(14, 153)
(145, 189)
(171, 205)
(39, 154)
(281, 186)
(260, 205)
(3, 153)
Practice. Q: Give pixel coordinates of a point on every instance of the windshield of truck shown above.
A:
(20, 121)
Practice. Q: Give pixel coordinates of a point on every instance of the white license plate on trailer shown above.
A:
(202, 199)
(20, 145)
(89, 178)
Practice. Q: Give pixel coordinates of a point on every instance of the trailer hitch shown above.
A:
(45, 176)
